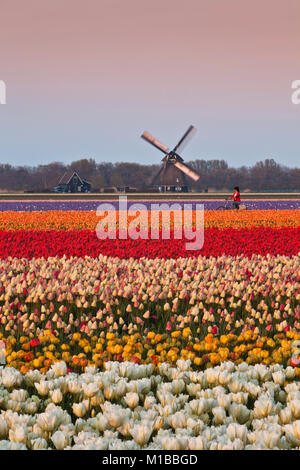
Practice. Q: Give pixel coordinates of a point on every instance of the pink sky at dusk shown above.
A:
(86, 78)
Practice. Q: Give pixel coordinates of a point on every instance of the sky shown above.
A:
(85, 78)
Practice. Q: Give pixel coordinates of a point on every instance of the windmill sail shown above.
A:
(156, 178)
(153, 141)
(185, 139)
(191, 173)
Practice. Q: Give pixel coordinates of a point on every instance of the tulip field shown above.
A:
(142, 344)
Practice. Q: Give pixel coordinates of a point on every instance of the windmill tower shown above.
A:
(172, 176)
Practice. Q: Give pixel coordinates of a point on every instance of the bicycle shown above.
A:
(228, 206)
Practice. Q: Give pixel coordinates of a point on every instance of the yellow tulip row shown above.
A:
(152, 348)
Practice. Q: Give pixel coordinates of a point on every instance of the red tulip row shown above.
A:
(229, 241)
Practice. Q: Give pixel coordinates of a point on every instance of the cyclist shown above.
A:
(236, 197)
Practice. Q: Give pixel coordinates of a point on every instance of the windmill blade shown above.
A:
(191, 173)
(156, 176)
(153, 141)
(185, 139)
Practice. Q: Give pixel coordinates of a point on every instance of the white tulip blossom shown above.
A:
(60, 440)
(141, 432)
(90, 389)
(18, 434)
(131, 399)
(59, 368)
(79, 409)
(56, 395)
(39, 444)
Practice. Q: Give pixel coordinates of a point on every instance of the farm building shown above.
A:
(71, 182)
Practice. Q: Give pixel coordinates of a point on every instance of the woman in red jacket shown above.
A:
(236, 197)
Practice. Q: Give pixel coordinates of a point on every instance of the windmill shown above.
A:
(173, 172)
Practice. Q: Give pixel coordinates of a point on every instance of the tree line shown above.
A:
(215, 175)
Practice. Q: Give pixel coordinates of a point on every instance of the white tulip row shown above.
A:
(130, 406)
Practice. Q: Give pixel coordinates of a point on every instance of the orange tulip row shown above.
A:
(73, 220)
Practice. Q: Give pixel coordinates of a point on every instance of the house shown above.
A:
(71, 182)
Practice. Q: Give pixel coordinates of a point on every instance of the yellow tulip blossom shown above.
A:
(186, 332)
(151, 335)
